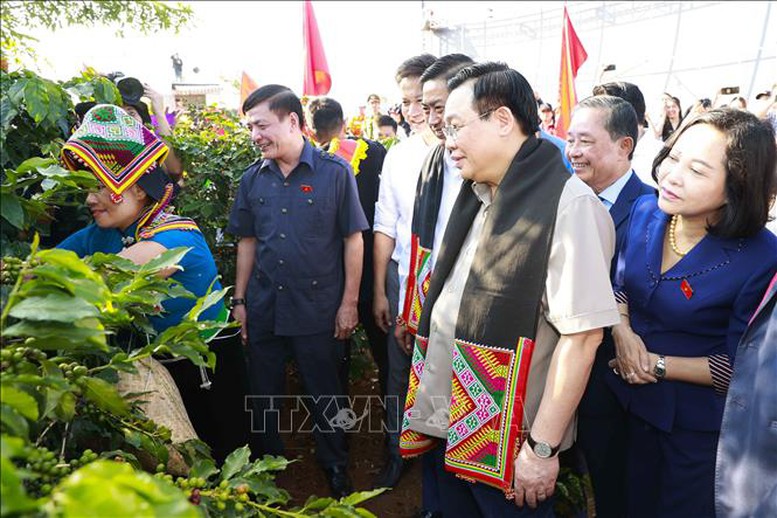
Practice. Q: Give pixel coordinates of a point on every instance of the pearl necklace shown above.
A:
(672, 239)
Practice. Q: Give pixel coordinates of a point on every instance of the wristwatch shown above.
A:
(659, 371)
(236, 302)
(541, 449)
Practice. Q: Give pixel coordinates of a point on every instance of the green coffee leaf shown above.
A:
(203, 468)
(14, 422)
(105, 396)
(68, 259)
(361, 496)
(55, 307)
(11, 209)
(235, 461)
(97, 488)
(20, 401)
(167, 259)
(316, 504)
(203, 303)
(66, 407)
(36, 96)
(34, 163)
(59, 335)
(15, 500)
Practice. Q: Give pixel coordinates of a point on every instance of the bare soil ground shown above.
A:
(366, 446)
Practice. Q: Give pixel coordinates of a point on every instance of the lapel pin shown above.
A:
(306, 188)
(685, 287)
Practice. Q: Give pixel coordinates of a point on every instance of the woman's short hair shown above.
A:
(751, 169)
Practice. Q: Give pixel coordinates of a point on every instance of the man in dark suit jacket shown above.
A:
(600, 144)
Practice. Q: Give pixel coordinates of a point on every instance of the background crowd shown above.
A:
(647, 341)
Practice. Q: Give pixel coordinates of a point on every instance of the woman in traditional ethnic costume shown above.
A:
(695, 263)
(134, 219)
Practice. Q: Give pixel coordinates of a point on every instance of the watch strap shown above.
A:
(533, 445)
(659, 371)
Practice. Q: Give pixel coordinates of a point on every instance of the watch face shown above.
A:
(542, 450)
(660, 369)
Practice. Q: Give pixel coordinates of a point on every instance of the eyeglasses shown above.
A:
(452, 132)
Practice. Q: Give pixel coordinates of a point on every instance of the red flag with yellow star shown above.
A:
(317, 79)
(573, 55)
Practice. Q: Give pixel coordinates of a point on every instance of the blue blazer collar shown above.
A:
(709, 254)
(633, 189)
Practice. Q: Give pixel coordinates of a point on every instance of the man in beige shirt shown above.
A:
(491, 119)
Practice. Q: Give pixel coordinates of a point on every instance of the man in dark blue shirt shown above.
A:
(299, 263)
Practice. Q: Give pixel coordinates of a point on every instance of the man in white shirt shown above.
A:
(393, 214)
(436, 194)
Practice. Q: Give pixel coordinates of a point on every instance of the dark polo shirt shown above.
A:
(299, 223)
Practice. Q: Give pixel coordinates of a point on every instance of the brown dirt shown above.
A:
(304, 478)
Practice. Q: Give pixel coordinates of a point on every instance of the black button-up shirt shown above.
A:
(299, 223)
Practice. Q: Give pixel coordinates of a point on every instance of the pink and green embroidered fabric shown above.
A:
(114, 146)
(417, 284)
(412, 443)
(486, 411)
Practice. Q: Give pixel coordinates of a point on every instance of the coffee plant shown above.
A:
(72, 445)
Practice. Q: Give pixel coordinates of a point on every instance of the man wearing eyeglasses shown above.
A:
(515, 308)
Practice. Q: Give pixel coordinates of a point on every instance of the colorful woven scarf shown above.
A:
(428, 197)
(160, 217)
(114, 146)
(497, 320)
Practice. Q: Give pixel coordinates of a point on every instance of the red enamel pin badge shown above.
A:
(685, 287)
(306, 188)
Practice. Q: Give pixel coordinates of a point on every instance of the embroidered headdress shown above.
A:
(121, 152)
(115, 147)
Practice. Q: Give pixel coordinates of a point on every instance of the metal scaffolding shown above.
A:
(477, 36)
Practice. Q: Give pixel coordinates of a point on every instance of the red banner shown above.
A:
(573, 55)
(317, 79)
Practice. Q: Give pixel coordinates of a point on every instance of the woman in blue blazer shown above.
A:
(695, 262)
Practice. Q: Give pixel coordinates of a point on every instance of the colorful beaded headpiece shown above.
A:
(115, 147)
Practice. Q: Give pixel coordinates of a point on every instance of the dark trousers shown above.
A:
(430, 489)
(670, 474)
(218, 414)
(378, 342)
(459, 498)
(319, 360)
(602, 431)
(398, 367)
